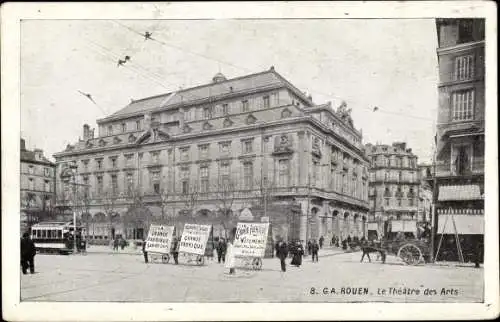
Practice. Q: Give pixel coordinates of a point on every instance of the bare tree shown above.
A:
(109, 205)
(163, 203)
(224, 192)
(264, 193)
(190, 198)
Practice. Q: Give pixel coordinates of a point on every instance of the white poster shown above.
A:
(250, 239)
(194, 239)
(159, 239)
(465, 224)
(403, 226)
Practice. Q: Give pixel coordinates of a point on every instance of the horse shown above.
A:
(370, 249)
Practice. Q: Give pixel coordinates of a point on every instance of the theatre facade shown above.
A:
(207, 153)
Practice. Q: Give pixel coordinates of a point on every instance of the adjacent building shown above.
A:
(394, 190)
(205, 154)
(37, 185)
(460, 138)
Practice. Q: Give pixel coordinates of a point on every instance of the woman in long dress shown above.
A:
(230, 260)
(297, 255)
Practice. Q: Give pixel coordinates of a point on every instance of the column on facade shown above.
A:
(327, 226)
(303, 218)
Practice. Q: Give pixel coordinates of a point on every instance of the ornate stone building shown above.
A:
(37, 185)
(460, 137)
(394, 189)
(205, 153)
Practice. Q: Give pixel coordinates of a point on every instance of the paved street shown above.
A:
(104, 276)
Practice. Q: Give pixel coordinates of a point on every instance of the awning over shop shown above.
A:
(403, 226)
(466, 224)
(462, 192)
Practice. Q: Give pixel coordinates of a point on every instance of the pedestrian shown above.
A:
(309, 244)
(297, 255)
(221, 250)
(230, 261)
(332, 242)
(175, 249)
(314, 250)
(123, 243)
(276, 247)
(28, 252)
(282, 254)
(321, 240)
(144, 252)
(478, 255)
(115, 244)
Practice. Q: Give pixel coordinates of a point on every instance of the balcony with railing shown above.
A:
(448, 170)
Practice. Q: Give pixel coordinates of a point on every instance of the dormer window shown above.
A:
(124, 127)
(138, 125)
(266, 101)
(207, 113)
(225, 109)
(245, 106)
(110, 129)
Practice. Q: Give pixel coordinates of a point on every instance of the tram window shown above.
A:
(44, 233)
(59, 234)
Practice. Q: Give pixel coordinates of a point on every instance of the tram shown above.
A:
(57, 237)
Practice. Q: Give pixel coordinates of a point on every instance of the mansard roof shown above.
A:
(268, 78)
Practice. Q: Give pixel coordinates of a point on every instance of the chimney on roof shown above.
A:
(38, 154)
(86, 131)
(400, 145)
(310, 97)
(23, 145)
(272, 68)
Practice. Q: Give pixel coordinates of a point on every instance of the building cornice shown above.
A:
(460, 47)
(328, 109)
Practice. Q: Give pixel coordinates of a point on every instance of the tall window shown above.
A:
(225, 109)
(129, 160)
(30, 169)
(185, 180)
(204, 178)
(110, 129)
(47, 185)
(266, 101)
(344, 182)
(185, 154)
(124, 127)
(207, 113)
(315, 175)
(46, 172)
(284, 172)
(224, 173)
(99, 164)
(248, 175)
(130, 183)
(400, 176)
(462, 105)
(155, 179)
(138, 125)
(461, 159)
(332, 177)
(86, 187)
(399, 202)
(99, 185)
(203, 150)
(155, 157)
(245, 106)
(225, 148)
(247, 146)
(464, 67)
(114, 184)
(113, 162)
(186, 114)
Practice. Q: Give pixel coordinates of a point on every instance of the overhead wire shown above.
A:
(328, 95)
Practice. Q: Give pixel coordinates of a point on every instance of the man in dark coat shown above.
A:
(144, 251)
(309, 244)
(314, 250)
(221, 250)
(28, 252)
(282, 254)
(321, 240)
(175, 250)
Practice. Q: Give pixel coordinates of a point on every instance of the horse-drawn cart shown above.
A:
(411, 251)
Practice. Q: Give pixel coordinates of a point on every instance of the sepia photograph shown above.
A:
(286, 155)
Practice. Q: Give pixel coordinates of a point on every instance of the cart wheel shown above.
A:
(410, 254)
(257, 264)
(200, 260)
(165, 258)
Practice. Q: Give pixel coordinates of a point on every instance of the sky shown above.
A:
(386, 63)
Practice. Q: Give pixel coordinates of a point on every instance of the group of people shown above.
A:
(119, 242)
(296, 250)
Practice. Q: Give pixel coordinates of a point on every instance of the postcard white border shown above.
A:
(13, 310)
